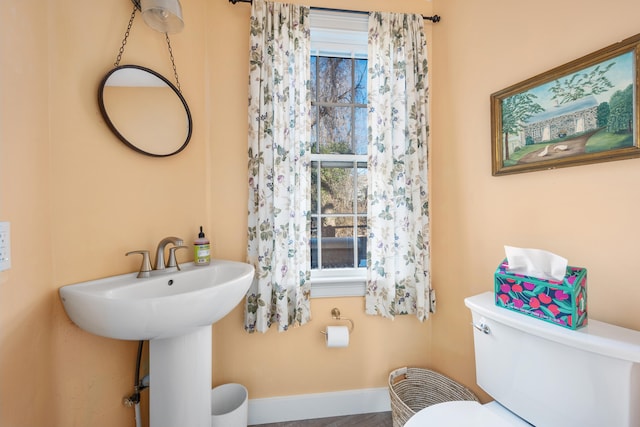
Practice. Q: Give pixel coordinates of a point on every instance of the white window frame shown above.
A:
(345, 35)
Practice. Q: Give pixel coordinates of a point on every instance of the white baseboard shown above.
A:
(318, 405)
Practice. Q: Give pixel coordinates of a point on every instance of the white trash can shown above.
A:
(229, 406)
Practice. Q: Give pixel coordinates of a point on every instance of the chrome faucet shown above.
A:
(175, 241)
(161, 267)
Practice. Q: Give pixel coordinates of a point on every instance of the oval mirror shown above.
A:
(145, 110)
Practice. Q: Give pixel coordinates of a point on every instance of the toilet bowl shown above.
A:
(465, 413)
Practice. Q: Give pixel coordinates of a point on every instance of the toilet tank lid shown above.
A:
(598, 337)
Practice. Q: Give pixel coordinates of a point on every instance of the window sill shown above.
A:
(338, 286)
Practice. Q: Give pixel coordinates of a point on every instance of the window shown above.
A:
(338, 153)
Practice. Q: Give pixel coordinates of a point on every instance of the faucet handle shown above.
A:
(173, 262)
(145, 267)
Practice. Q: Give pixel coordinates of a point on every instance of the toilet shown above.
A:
(544, 375)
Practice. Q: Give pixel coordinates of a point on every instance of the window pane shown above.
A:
(313, 78)
(361, 135)
(334, 130)
(361, 81)
(314, 130)
(362, 242)
(362, 188)
(337, 242)
(337, 190)
(335, 83)
(313, 241)
(314, 187)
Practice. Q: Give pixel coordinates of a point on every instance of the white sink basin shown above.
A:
(162, 306)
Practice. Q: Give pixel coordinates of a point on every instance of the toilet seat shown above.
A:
(462, 414)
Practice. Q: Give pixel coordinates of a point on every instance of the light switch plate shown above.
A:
(5, 246)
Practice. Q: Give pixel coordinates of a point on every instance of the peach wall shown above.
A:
(26, 306)
(78, 199)
(587, 213)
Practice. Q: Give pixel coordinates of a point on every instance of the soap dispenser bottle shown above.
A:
(201, 250)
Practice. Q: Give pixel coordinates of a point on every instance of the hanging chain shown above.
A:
(173, 62)
(126, 36)
(124, 42)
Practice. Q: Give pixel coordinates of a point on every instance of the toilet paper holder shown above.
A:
(335, 313)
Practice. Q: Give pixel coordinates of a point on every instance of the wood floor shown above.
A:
(381, 419)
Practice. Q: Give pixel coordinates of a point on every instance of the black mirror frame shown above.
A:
(113, 128)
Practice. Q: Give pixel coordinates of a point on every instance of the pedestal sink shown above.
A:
(174, 311)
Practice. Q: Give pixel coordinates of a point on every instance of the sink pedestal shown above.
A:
(180, 380)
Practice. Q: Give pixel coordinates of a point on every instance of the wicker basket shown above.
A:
(413, 389)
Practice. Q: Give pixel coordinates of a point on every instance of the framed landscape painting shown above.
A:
(582, 112)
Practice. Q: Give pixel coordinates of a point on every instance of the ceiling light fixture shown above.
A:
(164, 16)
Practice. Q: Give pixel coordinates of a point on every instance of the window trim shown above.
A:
(349, 282)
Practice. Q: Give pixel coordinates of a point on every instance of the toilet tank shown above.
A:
(552, 376)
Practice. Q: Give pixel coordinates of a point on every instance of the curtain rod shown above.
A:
(434, 18)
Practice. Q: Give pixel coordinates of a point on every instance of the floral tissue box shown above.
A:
(562, 303)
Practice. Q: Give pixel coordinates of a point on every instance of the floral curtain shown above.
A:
(279, 159)
(398, 273)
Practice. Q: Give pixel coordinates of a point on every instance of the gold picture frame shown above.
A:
(583, 112)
